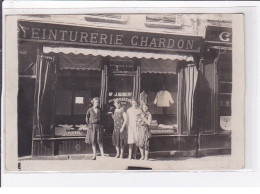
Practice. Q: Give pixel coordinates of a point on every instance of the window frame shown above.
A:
(175, 25)
(104, 19)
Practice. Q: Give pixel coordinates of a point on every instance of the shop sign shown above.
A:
(120, 94)
(118, 65)
(124, 97)
(220, 35)
(107, 38)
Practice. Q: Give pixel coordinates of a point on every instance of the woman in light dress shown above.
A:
(132, 131)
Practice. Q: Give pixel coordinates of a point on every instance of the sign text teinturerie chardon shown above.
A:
(107, 38)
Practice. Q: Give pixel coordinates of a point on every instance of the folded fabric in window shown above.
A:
(167, 126)
(66, 126)
(82, 127)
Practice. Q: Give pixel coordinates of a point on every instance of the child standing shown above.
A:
(95, 131)
(132, 113)
(119, 134)
(143, 122)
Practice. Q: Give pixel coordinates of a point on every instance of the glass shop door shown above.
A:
(121, 87)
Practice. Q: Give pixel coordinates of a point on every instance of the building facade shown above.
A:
(65, 61)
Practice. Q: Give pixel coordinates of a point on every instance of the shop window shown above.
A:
(75, 89)
(162, 91)
(27, 59)
(225, 91)
(163, 21)
(107, 18)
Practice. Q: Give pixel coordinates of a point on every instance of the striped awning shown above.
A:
(79, 62)
(113, 53)
(159, 66)
(91, 59)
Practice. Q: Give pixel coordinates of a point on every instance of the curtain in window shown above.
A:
(202, 98)
(43, 123)
(190, 76)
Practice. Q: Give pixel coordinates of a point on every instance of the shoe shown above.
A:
(93, 158)
(117, 156)
(146, 159)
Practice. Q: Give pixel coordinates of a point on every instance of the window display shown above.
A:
(161, 92)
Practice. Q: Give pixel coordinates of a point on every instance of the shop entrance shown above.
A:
(121, 81)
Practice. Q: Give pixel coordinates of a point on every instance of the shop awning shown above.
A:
(113, 53)
(79, 62)
(158, 66)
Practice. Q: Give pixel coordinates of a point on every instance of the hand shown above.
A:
(142, 116)
(122, 130)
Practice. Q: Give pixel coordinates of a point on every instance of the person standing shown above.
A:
(143, 122)
(119, 133)
(132, 132)
(95, 132)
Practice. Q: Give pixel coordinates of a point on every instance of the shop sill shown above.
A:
(27, 76)
(225, 82)
(105, 19)
(163, 25)
(225, 94)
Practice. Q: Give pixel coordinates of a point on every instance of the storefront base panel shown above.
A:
(165, 155)
(45, 148)
(180, 143)
(214, 141)
(73, 146)
(67, 146)
(160, 146)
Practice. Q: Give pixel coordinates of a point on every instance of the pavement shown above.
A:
(83, 163)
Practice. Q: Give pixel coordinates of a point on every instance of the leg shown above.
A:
(130, 151)
(101, 149)
(142, 153)
(94, 148)
(134, 151)
(117, 151)
(146, 154)
(122, 151)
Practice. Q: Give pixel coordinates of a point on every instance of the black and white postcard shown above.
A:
(124, 91)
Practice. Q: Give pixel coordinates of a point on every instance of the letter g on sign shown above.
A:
(224, 36)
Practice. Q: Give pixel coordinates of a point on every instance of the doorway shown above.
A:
(121, 87)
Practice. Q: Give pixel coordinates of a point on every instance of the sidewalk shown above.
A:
(83, 163)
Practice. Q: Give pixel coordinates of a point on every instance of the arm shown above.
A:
(148, 121)
(155, 100)
(125, 121)
(170, 98)
(87, 117)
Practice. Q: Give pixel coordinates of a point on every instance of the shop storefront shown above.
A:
(75, 64)
(216, 87)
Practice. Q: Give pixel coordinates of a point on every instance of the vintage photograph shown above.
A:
(125, 91)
